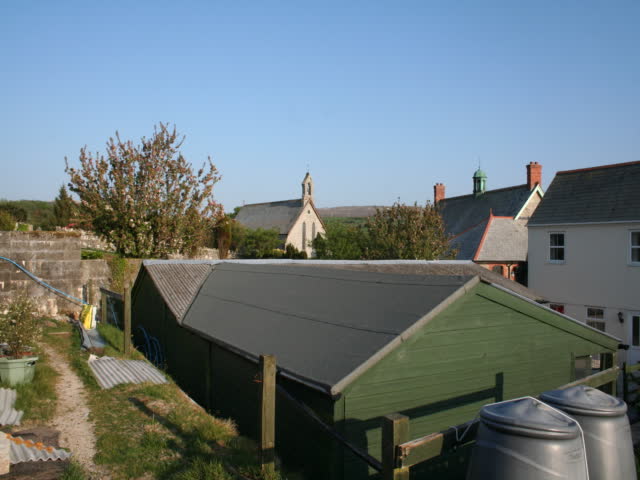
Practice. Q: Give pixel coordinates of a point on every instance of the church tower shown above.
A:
(307, 188)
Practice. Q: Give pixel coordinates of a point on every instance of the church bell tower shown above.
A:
(307, 188)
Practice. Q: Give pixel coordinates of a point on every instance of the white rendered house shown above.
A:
(584, 249)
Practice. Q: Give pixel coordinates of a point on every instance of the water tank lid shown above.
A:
(585, 401)
(529, 417)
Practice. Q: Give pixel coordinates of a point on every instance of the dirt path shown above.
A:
(72, 415)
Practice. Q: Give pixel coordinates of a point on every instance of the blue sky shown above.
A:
(380, 99)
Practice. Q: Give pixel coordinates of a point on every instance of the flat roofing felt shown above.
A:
(321, 324)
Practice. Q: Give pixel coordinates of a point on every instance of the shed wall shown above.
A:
(443, 375)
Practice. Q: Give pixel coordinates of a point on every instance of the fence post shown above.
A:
(127, 320)
(103, 308)
(395, 431)
(268, 413)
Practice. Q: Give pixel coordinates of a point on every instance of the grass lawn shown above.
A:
(155, 431)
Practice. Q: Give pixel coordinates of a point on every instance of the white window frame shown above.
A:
(592, 321)
(633, 247)
(564, 247)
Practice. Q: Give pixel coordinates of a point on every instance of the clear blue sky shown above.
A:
(381, 99)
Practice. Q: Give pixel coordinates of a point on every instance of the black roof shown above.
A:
(279, 215)
(320, 323)
(467, 211)
(610, 193)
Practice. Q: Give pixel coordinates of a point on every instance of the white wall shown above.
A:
(295, 234)
(596, 272)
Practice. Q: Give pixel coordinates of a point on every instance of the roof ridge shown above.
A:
(269, 203)
(599, 167)
(488, 191)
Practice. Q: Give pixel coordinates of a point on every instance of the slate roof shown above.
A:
(505, 239)
(350, 212)
(178, 282)
(465, 212)
(468, 241)
(279, 215)
(321, 324)
(609, 193)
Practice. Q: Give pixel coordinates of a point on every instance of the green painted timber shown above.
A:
(444, 373)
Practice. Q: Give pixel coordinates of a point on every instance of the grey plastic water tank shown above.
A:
(607, 433)
(525, 439)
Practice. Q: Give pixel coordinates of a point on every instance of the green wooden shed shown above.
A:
(355, 341)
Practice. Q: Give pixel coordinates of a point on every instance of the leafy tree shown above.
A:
(259, 243)
(340, 241)
(18, 213)
(7, 222)
(407, 233)
(64, 208)
(146, 199)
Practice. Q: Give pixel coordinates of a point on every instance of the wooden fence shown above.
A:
(400, 453)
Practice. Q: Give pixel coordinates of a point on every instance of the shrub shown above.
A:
(7, 222)
(19, 327)
(91, 255)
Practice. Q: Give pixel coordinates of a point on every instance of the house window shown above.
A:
(635, 248)
(558, 307)
(635, 324)
(556, 247)
(595, 318)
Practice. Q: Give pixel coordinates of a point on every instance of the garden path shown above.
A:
(72, 415)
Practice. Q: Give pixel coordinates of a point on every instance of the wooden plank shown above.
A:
(633, 368)
(395, 431)
(127, 320)
(268, 413)
(597, 379)
(431, 446)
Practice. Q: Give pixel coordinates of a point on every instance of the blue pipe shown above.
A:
(43, 283)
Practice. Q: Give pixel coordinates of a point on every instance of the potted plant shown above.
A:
(19, 330)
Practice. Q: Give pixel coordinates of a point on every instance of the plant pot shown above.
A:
(17, 370)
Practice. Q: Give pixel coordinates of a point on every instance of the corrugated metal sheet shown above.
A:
(111, 371)
(179, 283)
(9, 415)
(21, 450)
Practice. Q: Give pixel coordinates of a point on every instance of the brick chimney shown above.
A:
(534, 175)
(438, 192)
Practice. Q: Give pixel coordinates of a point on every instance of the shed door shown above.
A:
(634, 338)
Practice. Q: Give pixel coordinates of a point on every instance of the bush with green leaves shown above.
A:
(19, 326)
(340, 242)
(259, 243)
(407, 232)
(7, 222)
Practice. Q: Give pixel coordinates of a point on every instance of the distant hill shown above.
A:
(39, 213)
(349, 212)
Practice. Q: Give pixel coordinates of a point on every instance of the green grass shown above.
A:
(38, 398)
(154, 429)
(73, 472)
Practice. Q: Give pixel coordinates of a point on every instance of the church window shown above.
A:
(304, 235)
(313, 231)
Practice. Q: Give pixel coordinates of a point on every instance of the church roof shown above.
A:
(271, 215)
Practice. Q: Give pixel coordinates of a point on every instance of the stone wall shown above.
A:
(54, 257)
